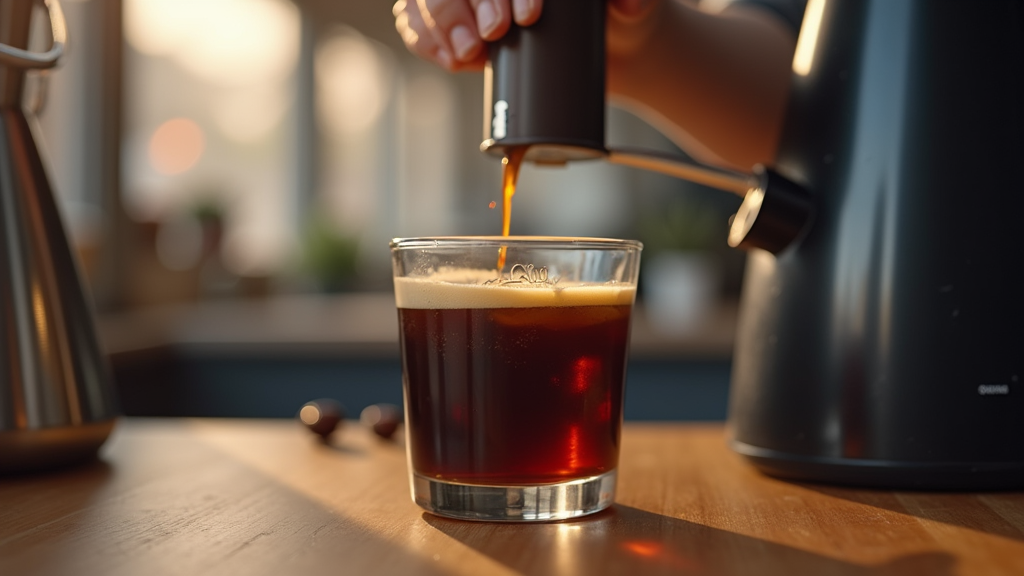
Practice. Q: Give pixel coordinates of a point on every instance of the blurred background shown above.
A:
(230, 173)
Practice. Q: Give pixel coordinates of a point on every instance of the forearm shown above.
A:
(715, 84)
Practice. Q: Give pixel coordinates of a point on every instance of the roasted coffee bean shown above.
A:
(322, 416)
(383, 419)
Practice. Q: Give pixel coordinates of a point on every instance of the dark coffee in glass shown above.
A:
(514, 380)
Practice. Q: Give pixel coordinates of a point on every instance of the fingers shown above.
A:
(526, 12)
(422, 42)
(452, 24)
(413, 30)
(493, 17)
(453, 33)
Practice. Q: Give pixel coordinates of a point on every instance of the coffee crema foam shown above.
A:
(466, 288)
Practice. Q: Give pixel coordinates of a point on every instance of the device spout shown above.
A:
(723, 179)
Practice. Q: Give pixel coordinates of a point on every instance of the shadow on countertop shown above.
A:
(626, 540)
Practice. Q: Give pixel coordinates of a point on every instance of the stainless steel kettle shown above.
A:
(57, 403)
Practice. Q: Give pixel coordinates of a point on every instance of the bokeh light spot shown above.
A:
(176, 146)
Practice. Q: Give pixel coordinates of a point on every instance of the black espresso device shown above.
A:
(544, 85)
(881, 333)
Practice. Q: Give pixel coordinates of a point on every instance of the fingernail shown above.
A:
(444, 58)
(486, 18)
(521, 9)
(463, 42)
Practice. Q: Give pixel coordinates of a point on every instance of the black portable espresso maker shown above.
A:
(881, 333)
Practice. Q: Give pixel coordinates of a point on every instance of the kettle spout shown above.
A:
(720, 178)
(774, 212)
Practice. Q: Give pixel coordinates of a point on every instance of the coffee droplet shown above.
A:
(383, 419)
(322, 416)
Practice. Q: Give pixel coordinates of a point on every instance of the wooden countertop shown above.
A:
(202, 497)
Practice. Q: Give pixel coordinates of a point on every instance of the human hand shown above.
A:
(452, 33)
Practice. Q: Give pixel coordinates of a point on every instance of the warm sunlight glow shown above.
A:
(176, 146)
(227, 42)
(573, 448)
(250, 115)
(40, 317)
(354, 82)
(808, 41)
(657, 553)
(640, 548)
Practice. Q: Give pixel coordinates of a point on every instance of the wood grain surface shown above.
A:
(229, 497)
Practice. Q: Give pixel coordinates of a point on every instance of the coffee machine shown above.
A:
(57, 403)
(881, 331)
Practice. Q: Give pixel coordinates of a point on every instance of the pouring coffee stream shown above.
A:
(509, 175)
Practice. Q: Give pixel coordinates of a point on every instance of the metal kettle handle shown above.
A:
(40, 60)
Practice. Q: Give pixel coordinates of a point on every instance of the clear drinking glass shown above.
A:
(514, 374)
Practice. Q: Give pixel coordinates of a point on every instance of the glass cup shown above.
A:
(514, 373)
